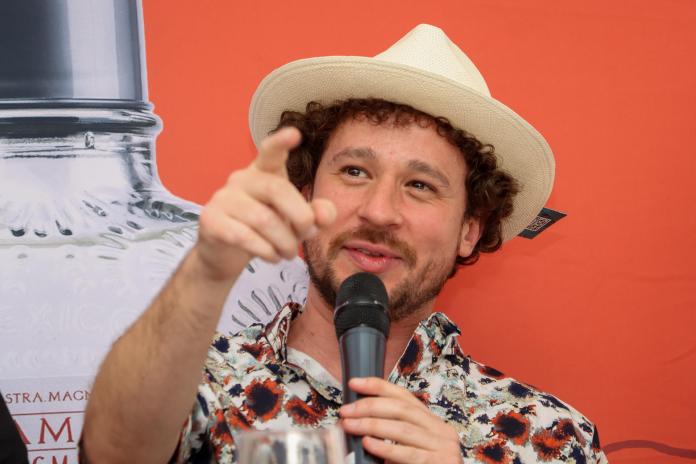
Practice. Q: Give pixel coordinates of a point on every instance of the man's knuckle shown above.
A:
(289, 249)
(240, 236)
(234, 177)
(266, 144)
(275, 187)
(205, 219)
(217, 197)
(369, 405)
(370, 423)
(269, 182)
(266, 252)
(263, 219)
(208, 224)
(422, 457)
(404, 429)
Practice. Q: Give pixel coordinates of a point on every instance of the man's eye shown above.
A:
(353, 171)
(418, 185)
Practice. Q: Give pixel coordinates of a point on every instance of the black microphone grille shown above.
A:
(362, 301)
(362, 285)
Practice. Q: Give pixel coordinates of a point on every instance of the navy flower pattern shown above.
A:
(248, 383)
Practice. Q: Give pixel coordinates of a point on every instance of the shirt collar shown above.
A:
(276, 332)
(439, 331)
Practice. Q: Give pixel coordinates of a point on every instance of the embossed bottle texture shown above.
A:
(88, 233)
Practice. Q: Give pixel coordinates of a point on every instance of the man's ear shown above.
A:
(470, 235)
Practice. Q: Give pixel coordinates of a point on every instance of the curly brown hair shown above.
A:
(490, 191)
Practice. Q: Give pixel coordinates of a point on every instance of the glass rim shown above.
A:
(288, 431)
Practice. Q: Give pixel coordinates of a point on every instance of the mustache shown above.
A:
(376, 236)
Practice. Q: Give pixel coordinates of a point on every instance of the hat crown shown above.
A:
(428, 48)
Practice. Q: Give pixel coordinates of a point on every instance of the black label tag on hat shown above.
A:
(542, 222)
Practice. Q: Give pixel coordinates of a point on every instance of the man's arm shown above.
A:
(146, 386)
(147, 383)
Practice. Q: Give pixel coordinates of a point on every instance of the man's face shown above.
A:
(400, 197)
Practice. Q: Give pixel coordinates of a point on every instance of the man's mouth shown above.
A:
(371, 249)
(368, 252)
(372, 258)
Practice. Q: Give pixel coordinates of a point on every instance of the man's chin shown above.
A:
(407, 295)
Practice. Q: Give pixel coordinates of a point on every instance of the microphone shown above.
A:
(361, 318)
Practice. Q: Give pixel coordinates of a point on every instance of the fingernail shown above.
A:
(357, 381)
(346, 409)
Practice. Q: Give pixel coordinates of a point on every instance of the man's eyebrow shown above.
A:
(430, 170)
(365, 153)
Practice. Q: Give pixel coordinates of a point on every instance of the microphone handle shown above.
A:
(362, 355)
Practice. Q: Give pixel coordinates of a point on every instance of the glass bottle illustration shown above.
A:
(88, 233)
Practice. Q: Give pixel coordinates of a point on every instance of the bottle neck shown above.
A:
(57, 150)
(69, 173)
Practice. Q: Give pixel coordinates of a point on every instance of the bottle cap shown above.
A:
(72, 49)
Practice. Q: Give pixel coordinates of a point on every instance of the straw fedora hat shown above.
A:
(427, 71)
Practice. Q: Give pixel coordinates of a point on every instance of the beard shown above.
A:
(416, 289)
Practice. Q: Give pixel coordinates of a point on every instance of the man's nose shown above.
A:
(381, 205)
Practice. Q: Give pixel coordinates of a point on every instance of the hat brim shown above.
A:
(521, 151)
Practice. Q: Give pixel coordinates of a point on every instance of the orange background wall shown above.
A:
(599, 309)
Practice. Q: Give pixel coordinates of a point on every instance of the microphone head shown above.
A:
(362, 300)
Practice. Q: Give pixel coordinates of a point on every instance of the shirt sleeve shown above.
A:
(194, 439)
(596, 453)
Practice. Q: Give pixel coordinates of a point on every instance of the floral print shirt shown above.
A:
(248, 383)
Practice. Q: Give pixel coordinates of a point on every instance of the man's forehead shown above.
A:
(420, 146)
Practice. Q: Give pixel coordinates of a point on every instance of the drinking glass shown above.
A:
(310, 446)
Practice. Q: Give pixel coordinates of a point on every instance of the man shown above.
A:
(383, 183)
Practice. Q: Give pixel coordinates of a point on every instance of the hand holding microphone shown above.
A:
(361, 317)
(375, 410)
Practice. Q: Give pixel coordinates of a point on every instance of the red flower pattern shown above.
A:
(546, 445)
(255, 388)
(513, 426)
(493, 452)
(263, 400)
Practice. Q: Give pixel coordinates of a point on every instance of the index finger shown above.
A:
(379, 387)
(273, 152)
